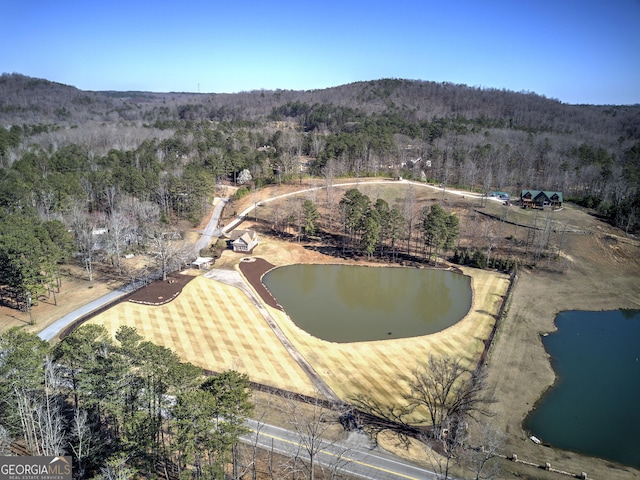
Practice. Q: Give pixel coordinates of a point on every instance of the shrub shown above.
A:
(240, 193)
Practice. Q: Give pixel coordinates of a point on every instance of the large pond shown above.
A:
(344, 303)
(594, 406)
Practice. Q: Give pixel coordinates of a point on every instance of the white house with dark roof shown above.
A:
(243, 240)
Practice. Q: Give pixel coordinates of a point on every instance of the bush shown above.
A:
(478, 259)
(240, 193)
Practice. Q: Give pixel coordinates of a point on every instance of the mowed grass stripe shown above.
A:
(380, 369)
(216, 326)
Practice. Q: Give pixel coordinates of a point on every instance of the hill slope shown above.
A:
(31, 101)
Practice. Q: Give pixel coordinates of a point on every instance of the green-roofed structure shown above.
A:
(540, 199)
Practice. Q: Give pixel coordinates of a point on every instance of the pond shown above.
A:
(593, 406)
(346, 303)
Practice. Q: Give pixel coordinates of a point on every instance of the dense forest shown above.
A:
(118, 406)
(100, 174)
(458, 135)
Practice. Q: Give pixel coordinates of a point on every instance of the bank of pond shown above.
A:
(594, 406)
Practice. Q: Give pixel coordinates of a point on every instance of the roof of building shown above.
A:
(246, 238)
(236, 234)
(535, 193)
(202, 261)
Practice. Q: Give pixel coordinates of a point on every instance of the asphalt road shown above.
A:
(208, 233)
(462, 193)
(52, 330)
(354, 458)
(211, 230)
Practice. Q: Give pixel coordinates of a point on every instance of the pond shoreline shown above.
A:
(609, 434)
(520, 370)
(353, 304)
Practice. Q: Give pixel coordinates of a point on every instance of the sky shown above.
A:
(575, 51)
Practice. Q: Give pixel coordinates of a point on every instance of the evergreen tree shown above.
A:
(311, 215)
(440, 229)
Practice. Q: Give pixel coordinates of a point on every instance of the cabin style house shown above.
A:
(242, 240)
(540, 199)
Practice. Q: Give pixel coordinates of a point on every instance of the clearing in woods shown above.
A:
(216, 326)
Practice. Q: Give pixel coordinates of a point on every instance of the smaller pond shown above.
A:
(346, 303)
(593, 408)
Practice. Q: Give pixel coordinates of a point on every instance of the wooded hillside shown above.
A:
(131, 166)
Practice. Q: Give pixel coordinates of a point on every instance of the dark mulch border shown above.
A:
(253, 270)
(161, 291)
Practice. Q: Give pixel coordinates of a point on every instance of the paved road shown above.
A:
(212, 230)
(50, 332)
(208, 233)
(242, 215)
(355, 457)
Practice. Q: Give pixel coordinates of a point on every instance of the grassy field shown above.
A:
(215, 326)
(598, 269)
(379, 369)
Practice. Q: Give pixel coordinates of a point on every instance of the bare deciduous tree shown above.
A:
(446, 388)
(5, 442)
(83, 443)
(311, 425)
(84, 228)
(329, 174)
(482, 460)
(168, 250)
(41, 414)
(118, 230)
(410, 211)
(443, 449)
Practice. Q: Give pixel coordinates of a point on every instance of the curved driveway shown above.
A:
(233, 278)
(242, 215)
(210, 231)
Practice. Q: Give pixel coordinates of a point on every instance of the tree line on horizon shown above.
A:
(482, 139)
(142, 167)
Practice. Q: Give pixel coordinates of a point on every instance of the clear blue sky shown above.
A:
(577, 51)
